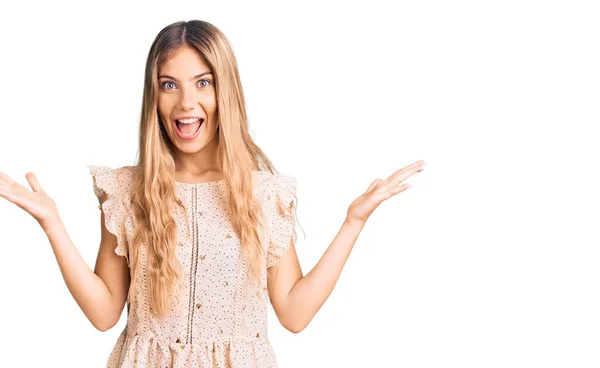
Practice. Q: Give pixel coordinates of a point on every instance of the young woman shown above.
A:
(198, 237)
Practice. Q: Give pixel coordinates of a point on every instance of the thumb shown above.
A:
(33, 182)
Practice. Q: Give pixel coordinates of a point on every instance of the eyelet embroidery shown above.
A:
(243, 318)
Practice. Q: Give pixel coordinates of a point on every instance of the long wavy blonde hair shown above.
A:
(154, 198)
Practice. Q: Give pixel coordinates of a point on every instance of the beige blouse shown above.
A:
(220, 318)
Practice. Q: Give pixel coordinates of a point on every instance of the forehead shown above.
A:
(185, 61)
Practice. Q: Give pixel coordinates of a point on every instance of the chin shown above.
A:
(191, 148)
(197, 145)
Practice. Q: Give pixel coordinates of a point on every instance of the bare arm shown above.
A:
(101, 294)
(296, 299)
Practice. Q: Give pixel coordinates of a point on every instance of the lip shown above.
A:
(190, 137)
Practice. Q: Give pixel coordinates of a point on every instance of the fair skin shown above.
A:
(101, 294)
(187, 89)
(296, 298)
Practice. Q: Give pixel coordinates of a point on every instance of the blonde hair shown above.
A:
(154, 198)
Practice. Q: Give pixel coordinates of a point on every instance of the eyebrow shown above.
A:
(169, 77)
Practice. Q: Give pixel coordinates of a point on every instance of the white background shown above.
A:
(490, 260)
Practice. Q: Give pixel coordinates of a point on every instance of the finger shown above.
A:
(33, 182)
(4, 193)
(417, 165)
(6, 178)
(413, 166)
(400, 188)
(405, 172)
(14, 194)
(7, 193)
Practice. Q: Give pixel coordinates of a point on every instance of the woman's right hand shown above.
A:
(36, 202)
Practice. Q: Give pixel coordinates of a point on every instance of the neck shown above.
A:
(201, 165)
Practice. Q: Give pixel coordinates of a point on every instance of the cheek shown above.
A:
(211, 106)
(163, 110)
(209, 100)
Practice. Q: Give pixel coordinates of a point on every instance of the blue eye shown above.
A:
(205, 80)
(165, 83)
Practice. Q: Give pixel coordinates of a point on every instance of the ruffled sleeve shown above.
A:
(280, 207)
(117, 185)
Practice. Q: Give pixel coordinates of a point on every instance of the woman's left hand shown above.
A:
(380, 190)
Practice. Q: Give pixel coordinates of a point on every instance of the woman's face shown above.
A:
(187, 101)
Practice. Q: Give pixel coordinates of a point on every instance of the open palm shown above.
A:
(35, 201)
(380, 190)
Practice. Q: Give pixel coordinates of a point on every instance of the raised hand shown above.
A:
(36, 202)
(379, 191)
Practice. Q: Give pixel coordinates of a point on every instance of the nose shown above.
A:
(187, 99)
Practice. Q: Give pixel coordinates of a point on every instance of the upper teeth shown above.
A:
(189, 121)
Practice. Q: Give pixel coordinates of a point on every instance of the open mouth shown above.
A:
(188, 127)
